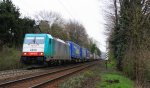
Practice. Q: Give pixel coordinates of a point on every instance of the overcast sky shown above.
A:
(88, 12)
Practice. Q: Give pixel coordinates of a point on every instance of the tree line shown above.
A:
(129, 42)
(13, 28)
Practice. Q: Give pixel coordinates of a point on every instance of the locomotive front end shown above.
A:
(33, 49)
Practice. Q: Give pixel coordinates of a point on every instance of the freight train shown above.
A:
(45, 49)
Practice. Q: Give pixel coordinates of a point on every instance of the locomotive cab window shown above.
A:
(34, 40)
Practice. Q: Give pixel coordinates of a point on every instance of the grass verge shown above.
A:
(10, 59)
(114, 80)
(111, 63)
(98, 77)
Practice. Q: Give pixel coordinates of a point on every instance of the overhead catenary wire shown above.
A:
(65, 8)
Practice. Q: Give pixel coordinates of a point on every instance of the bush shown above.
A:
(10, 58)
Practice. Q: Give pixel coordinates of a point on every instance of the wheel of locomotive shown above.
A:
(64, 62)
(40, 60)
(59, 62)
(49, 63)
(55, 62)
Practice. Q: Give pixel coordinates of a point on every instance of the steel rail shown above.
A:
(31, 77)
(59, 77)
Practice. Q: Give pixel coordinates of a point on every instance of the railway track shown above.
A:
(11, 73)
(43, 79)
(19, 73)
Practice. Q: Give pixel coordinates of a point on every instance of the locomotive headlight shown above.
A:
(24, 53)
(41, 53)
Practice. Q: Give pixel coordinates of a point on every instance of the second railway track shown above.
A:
(43, 79)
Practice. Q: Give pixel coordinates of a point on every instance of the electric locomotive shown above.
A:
(41, 48)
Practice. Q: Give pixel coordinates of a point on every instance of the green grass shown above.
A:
(10, 59)
(76, 81)
(111, 64)
(107, 81)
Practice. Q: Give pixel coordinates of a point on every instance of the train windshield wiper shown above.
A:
(35, 41)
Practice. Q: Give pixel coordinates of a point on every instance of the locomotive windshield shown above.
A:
(34, 40)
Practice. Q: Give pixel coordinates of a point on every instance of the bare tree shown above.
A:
(52, 23)
(77, 33)
(50, 17)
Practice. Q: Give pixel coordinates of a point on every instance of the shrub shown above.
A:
(10, 58)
